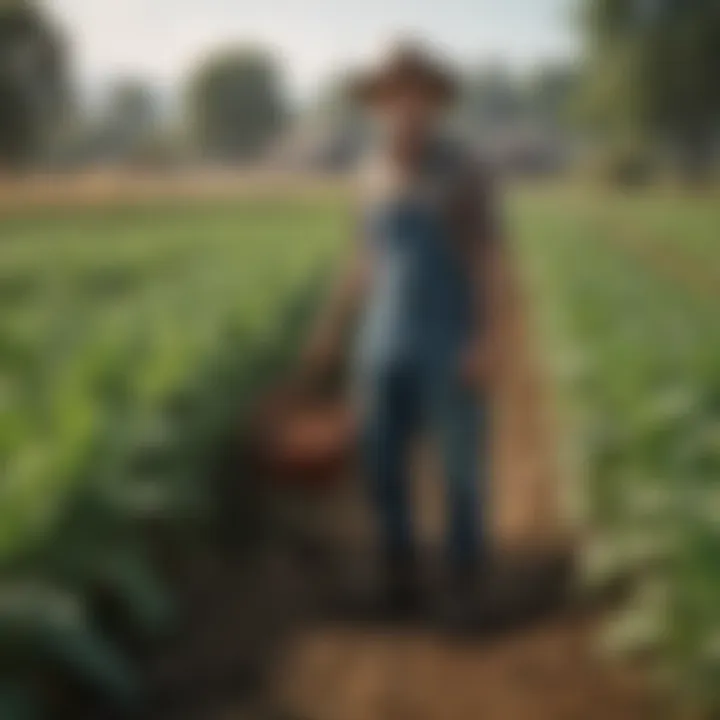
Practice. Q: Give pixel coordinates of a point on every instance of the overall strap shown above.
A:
(451, 180)
(467, 198)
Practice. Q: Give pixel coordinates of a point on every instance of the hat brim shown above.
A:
(374, 88)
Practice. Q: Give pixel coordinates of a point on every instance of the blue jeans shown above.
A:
(397, 401)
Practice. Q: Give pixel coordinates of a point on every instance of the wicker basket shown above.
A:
(304, 443)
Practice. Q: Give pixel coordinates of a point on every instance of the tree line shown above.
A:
(644, 86)
(233, 103)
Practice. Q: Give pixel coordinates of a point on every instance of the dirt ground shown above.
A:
(275, 641)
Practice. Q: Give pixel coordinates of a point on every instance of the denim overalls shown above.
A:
(416, 323)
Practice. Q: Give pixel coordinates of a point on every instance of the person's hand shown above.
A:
(319, 356)
(477, 365)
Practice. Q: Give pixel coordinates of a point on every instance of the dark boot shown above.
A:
(465, 595)
(401, 592)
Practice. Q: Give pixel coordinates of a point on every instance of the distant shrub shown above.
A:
(626, 167)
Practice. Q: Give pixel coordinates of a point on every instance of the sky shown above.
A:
(161, 39)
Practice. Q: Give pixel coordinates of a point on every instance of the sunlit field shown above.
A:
(625, 293)
(132, 339)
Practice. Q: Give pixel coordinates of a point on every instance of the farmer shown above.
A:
(425, 278)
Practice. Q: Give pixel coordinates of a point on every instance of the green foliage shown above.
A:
(236, 104)
(130, 119)
(42, 627)
(652, 72)
(634, 353)
(32, 81)
(495, 98)
(18, 703)
(625, 166)
(550, 92)
(130, 342)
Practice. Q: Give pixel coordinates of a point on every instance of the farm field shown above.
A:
(133, 337)
(627, 302)
(131, 340)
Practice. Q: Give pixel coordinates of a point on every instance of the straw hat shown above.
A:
(405, 64)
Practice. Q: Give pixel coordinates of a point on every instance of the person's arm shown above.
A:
(338, 310)
(489, 267)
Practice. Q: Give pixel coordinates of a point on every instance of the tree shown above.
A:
(130, 118)
(652, 72)
(131, 107)
(33, 87)
(236, 104)
(493, 98)
(338, 123)
(550, 92)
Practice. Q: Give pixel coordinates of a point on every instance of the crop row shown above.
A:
(130, 342)
(635, 361)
